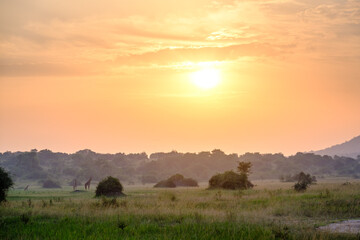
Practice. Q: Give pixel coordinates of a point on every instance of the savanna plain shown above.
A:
(271, 210)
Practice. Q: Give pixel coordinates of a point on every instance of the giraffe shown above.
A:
(75, 184)
(87, 184)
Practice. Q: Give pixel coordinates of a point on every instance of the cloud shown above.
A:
(339, 12)
(46, 69)
(58, 37)
(204, 54)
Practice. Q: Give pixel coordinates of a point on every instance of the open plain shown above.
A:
(271, 210)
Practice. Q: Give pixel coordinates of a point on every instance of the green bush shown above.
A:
(230, 180)
(5, 183)
(109, 186)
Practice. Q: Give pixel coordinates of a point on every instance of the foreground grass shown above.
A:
(274, 212)
(129, 228)
(146, 227)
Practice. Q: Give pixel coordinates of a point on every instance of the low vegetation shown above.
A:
(229, 180)
(165, 184)
(232, 180)
(268, 211)
(177, 180)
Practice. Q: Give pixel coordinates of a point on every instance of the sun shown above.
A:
(206, 78)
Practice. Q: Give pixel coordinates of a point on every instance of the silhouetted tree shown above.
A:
(5, 183)
(244, 168)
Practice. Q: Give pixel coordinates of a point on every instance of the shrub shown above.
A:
(109, 186)
(51, 184)
(304, 180)
(177, 180)
(230, 180)
(165, 184)
(188, 182)
(5, 183)
(300, 186)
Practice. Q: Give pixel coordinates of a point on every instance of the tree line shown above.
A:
(142, 168)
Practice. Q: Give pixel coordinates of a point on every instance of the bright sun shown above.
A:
(206, 78)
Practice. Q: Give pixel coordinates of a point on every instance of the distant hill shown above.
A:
(347, 149)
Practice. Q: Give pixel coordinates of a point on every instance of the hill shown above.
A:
(347, 149)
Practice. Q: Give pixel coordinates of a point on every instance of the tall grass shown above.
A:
(261, 213)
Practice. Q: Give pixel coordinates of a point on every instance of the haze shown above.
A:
(116, 75)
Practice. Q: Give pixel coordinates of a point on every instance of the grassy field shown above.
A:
(271, 210)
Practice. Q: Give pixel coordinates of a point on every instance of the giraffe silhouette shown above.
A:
(87, 184)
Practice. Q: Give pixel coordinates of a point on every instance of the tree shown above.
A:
(109, 186)
(244, 168)
(5, 183)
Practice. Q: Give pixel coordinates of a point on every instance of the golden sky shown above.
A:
(117, 76)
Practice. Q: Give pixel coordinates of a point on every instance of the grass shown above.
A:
(269, 211)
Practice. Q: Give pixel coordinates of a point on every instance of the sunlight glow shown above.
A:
(206, 78)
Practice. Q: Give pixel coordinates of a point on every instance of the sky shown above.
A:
(118, 76)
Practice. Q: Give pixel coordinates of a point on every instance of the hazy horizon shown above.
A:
(167, 151)
(240, 76)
